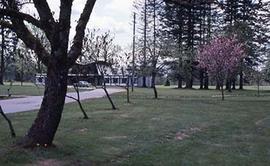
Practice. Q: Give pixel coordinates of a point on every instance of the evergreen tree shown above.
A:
(246, 19)
(189, 23)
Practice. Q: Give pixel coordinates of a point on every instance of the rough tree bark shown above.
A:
(45, 125)
(58, 61)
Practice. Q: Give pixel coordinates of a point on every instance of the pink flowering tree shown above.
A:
(220, 57)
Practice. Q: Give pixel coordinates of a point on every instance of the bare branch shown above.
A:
(76, 48)
(12, 131)
(6, 24)
(30, 40)
(73, 98)
(20, 15)
(64, 21)
(25, 35)
(46, 18)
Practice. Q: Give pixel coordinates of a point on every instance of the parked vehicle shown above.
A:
(83, 84)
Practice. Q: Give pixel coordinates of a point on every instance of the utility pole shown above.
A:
(133, 52)
(22, 66)
(155, 29)
(154, 60)
(2, 68)
(144, 42)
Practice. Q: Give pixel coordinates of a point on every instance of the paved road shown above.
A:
(33, 102)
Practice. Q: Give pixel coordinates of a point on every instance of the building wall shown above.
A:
(148, 81)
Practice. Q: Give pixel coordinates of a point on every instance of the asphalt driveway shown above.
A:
(30, 103)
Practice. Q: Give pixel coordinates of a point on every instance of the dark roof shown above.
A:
(90, 68)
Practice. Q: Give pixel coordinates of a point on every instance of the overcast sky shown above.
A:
(113, 15)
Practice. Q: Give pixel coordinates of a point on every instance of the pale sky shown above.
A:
(113, 15)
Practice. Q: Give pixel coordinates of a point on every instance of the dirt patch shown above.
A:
(181, 135)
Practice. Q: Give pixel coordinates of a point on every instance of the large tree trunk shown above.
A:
(45, 125)
(241, 81)
(58, 60)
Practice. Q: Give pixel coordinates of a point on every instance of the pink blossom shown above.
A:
(221, 56)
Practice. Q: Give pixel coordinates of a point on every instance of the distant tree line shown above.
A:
(181, 27)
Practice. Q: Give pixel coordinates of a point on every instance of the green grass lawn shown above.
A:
(28, 89)
(25, 90)
(183, 127)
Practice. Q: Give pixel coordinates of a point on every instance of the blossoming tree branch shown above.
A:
(221, 56)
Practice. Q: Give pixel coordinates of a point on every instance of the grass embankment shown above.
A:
(183, 127)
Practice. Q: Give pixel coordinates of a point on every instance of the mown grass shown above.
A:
(28, 89)
(183, 127)
(18, 90)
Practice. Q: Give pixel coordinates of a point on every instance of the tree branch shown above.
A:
(73, 98)
(76, 48)
(6, 24)
(46, 18)
(64, 22)
(25, 35)
(30, 40)
(20, 15)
